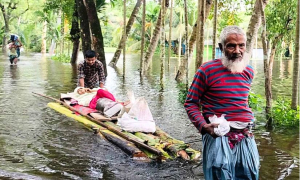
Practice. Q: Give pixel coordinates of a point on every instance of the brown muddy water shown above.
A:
(36, 142)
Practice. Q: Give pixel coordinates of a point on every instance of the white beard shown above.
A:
(235, 66)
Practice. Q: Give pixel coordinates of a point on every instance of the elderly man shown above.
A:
(91, 72)
(221, 86)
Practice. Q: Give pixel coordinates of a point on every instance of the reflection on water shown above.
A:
(14, 71)
(39, 143)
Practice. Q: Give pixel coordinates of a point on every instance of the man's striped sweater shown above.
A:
(219, 91)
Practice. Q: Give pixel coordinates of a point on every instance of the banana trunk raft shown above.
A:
(142, 146)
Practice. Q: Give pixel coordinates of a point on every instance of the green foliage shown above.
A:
(228, 18)
(35, 43)
(283, 115)
(61, 58)
(255, 101)
(281, 20)
(67, 7)
(183, 91)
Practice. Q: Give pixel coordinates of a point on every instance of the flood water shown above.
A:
(36, 142)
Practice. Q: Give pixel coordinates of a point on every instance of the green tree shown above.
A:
(280, 23)
(254, 24)
(128, 29)
(9, 12)
(97, 37)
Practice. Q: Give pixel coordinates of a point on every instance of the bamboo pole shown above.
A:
(138, 143)
(154, 142)
(177, 147)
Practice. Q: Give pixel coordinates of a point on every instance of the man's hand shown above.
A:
(81, 82)
(209, 128)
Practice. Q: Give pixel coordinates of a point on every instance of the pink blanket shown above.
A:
(101, 94)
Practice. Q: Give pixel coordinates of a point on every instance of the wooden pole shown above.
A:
(138, 143)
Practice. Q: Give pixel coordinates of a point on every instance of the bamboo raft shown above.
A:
(142, 146)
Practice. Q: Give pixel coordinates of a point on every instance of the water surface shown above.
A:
(36, 142)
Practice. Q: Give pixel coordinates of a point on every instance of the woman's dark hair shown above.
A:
(90, 54)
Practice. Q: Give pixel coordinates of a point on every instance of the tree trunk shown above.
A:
(170, 33)
(128, 28)
(215, 29)
(268, 82)
(84, 27)
(194, 33)
(124, 39)
(254, 24)
(183, 68)
(162, 45)
(295, 90)
(52, 47)
(44, 34)
(200, 51)
(62, 32)
(153, 42)
(6, 16)
(198, 33)
(6, 27)
(143, 38)
(97, 37)
(187, 56)
(179, 42)
(268, 88)
(75, 35)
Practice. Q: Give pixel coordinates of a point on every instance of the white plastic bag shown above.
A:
(223, 127)
(140, 110)
(138, 117)
(130, 124)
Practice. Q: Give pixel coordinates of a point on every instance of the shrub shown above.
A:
(283, 115)
(256, 102)
(182, 92)
(61, 58)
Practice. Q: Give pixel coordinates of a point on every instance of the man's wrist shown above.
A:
(204, 128)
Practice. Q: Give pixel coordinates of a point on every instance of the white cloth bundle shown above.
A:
(223, 127)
